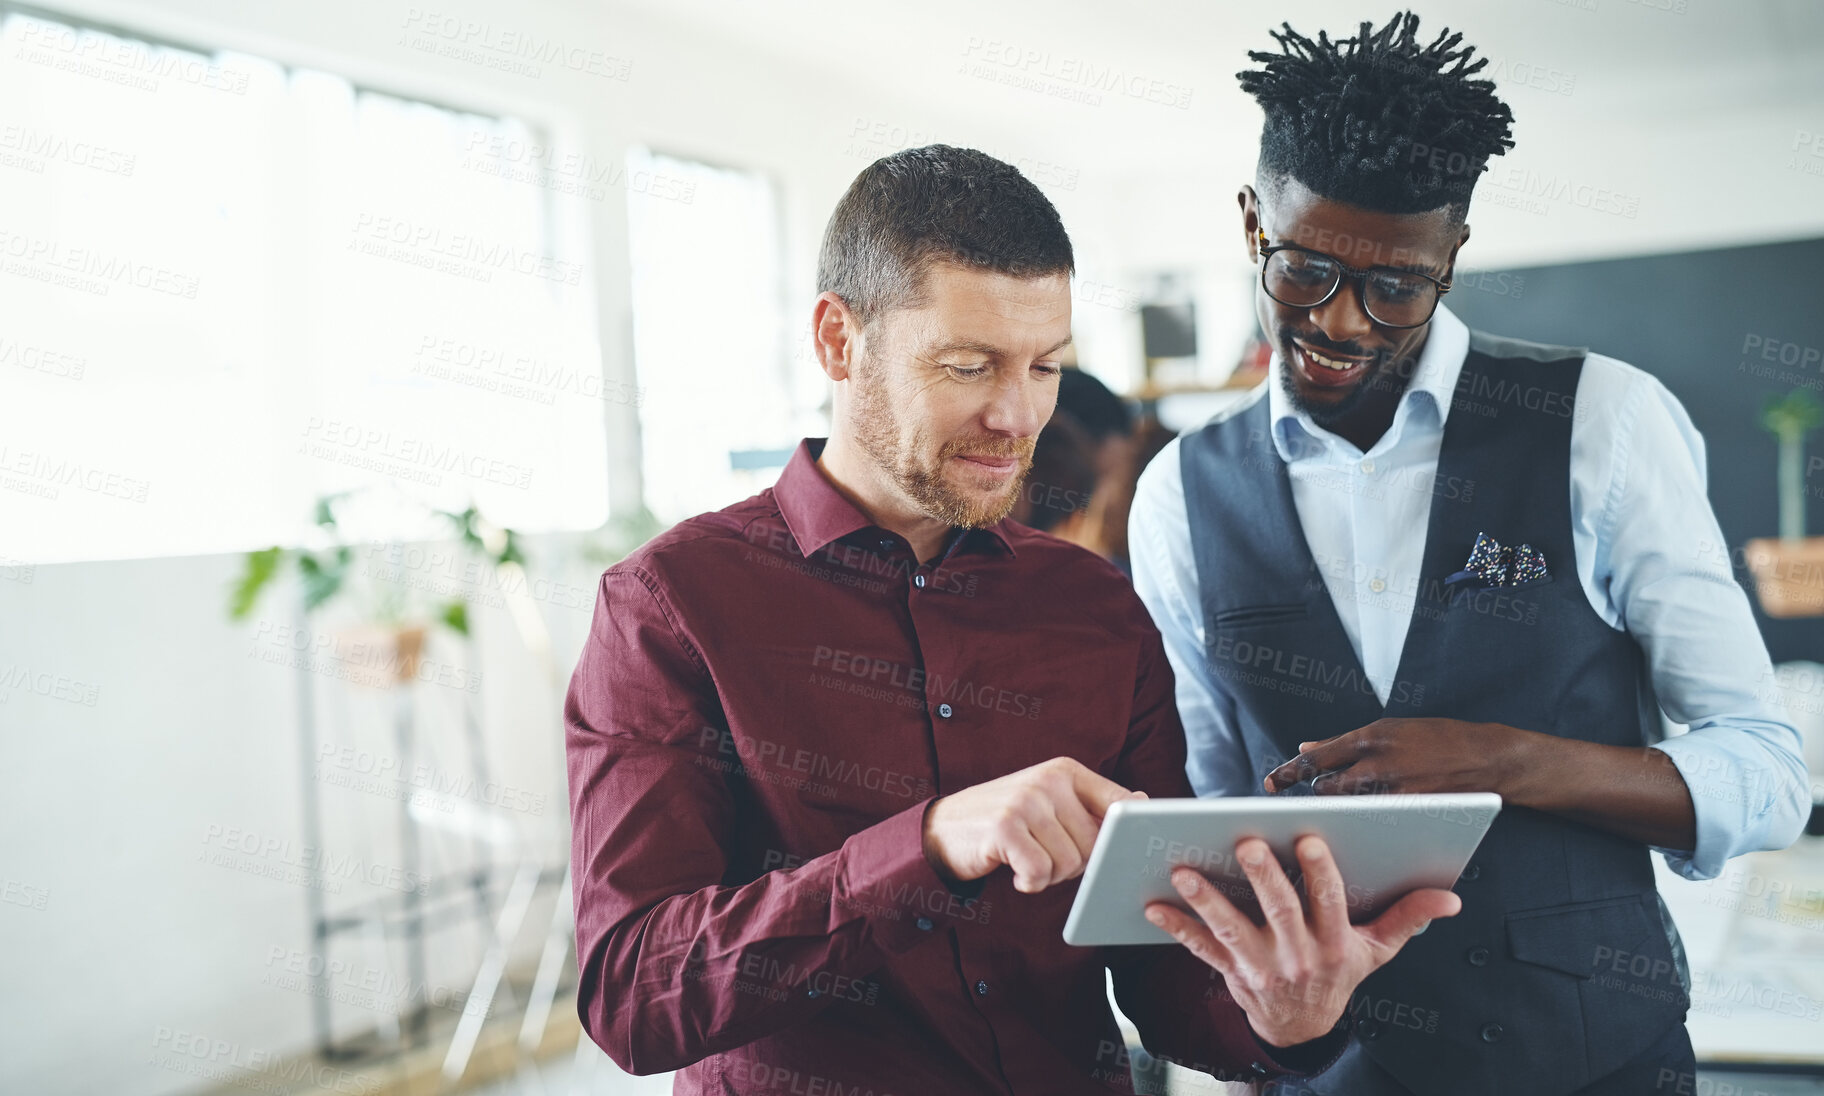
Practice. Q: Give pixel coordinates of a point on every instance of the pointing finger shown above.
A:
(1096, 792)
(1331, 754)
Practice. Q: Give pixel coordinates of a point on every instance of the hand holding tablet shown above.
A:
(1192, 870)
(1294, 973)
(1383, 846)
(1207, 873)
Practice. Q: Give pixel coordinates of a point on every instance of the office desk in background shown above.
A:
(1754, 936)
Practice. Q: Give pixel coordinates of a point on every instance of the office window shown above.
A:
(228, 287)
(719, 406)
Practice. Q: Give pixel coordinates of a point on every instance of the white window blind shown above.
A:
(710, 326)
(228, 287)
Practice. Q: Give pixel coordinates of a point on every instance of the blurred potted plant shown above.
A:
(400, 619)
(1789, 570)
(616, 538)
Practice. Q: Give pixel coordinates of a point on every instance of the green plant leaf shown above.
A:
(261, 567)
(618, 537)
(511, 552)
(326, 509)
(456, 616)
(1792, 416)
(323, 579)
(466, 521)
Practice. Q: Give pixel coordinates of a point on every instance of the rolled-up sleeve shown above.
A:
(1666, 567)
(664, 942)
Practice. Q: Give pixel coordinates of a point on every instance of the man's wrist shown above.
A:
(961, 888)
(1525, 767)
(887, 883)
(1312, 1055)
(929, 843)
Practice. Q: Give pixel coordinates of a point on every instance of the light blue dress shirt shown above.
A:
(1650, 557)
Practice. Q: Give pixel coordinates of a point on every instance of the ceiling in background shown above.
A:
(1554, 59)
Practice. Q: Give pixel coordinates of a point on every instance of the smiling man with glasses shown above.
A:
(1425, 559)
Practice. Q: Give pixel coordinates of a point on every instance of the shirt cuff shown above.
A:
(1719, 804)
(888, 881)
(1302, 1059)
(1252, 1058)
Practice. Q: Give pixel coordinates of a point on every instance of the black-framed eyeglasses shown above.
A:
(1303, 278)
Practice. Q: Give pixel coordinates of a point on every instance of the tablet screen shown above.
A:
(1384, 847)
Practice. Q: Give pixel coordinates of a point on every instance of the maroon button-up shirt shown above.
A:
(769, 698)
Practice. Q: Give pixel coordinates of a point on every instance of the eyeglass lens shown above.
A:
(1302, 279)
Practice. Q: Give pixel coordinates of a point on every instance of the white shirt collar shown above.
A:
(1433, 381)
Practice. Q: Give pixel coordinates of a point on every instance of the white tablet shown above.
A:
(1384, 847)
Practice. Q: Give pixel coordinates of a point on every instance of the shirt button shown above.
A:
(919, 581)
(1367, 1028)
(1478, 957)
(1472, 873)
(886, 544)
(810, 993)
(1377, 585)
(981, 989)
(924, 924)
(1491, 1033)
(944, 710)
(1368, 467)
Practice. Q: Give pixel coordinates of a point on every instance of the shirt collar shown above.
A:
(1434, 380)
(817, 513)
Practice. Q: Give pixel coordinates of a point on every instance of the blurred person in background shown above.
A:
(1105, 417)
(1059, 492)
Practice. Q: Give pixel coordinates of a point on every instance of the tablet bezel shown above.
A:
(1384, 845)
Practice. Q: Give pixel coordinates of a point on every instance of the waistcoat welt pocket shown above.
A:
(1261, 614)
(1584, 939)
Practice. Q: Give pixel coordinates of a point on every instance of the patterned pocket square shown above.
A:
(1492, 564)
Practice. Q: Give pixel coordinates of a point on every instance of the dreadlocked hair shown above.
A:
(1378, 121)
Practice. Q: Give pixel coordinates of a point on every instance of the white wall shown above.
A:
(191, 733)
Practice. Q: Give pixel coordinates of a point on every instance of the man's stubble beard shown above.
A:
(1323, 415)
(877, 433)
(1389, 373)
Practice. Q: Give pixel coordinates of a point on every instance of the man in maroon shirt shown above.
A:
(838, 752)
